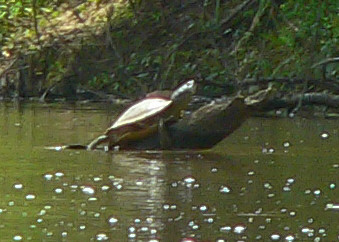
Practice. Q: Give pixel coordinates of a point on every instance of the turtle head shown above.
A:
(184, 91)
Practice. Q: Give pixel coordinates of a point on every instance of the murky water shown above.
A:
(272, 180)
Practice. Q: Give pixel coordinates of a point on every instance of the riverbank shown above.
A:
(127, 49)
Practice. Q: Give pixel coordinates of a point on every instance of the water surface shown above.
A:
(272, 180)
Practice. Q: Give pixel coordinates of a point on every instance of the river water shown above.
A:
(272, 180)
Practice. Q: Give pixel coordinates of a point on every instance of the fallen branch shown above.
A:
(312, 98)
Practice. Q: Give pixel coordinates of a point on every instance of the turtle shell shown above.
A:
(141, 111)
(139, 120)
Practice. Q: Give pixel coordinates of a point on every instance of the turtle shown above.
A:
(147, 116)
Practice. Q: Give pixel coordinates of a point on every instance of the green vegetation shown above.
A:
(135, 46)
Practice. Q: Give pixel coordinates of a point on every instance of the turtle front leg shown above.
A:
(99, 140)
(164, 136)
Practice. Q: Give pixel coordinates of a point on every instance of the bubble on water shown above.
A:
(105, 188)
(332, 186)
(131, 229)
(42, 212)
(224, 189)
(307, 230)
(275, 237)
(250, 173)
(174, 184)
(293, 213)
(271, 150)
(173, 207)
(286, 144)
(290, 181)
(239, 229)
(290, 238)
(39, 220)
(308, 191)
(112, 220)
(101, 237)
(332, 206)
(58, 190)
(220, 240)
(137, 220)
(59, 174)
(30, 197)
(166, 206)
(88, 190)
(209, 220)
(271, 195)
(48, 176)
(144, 229)
(132, 236)
(74, 186)
(82, 226)
(151, 220)
(283, 210)
(286, 189)
(139, 183)
(193, 224)
(18, 186)
(324, 135)
(11, 203)
(317, 192)
(47, 207)
(267, 185)
(195, 227)
(118, 187)
(203, 208)
(189, 180)
(214, 170)
(64, 234)
(82, 212)
(17, 238)
(153, 231)
(310, 220)
(97, 179)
